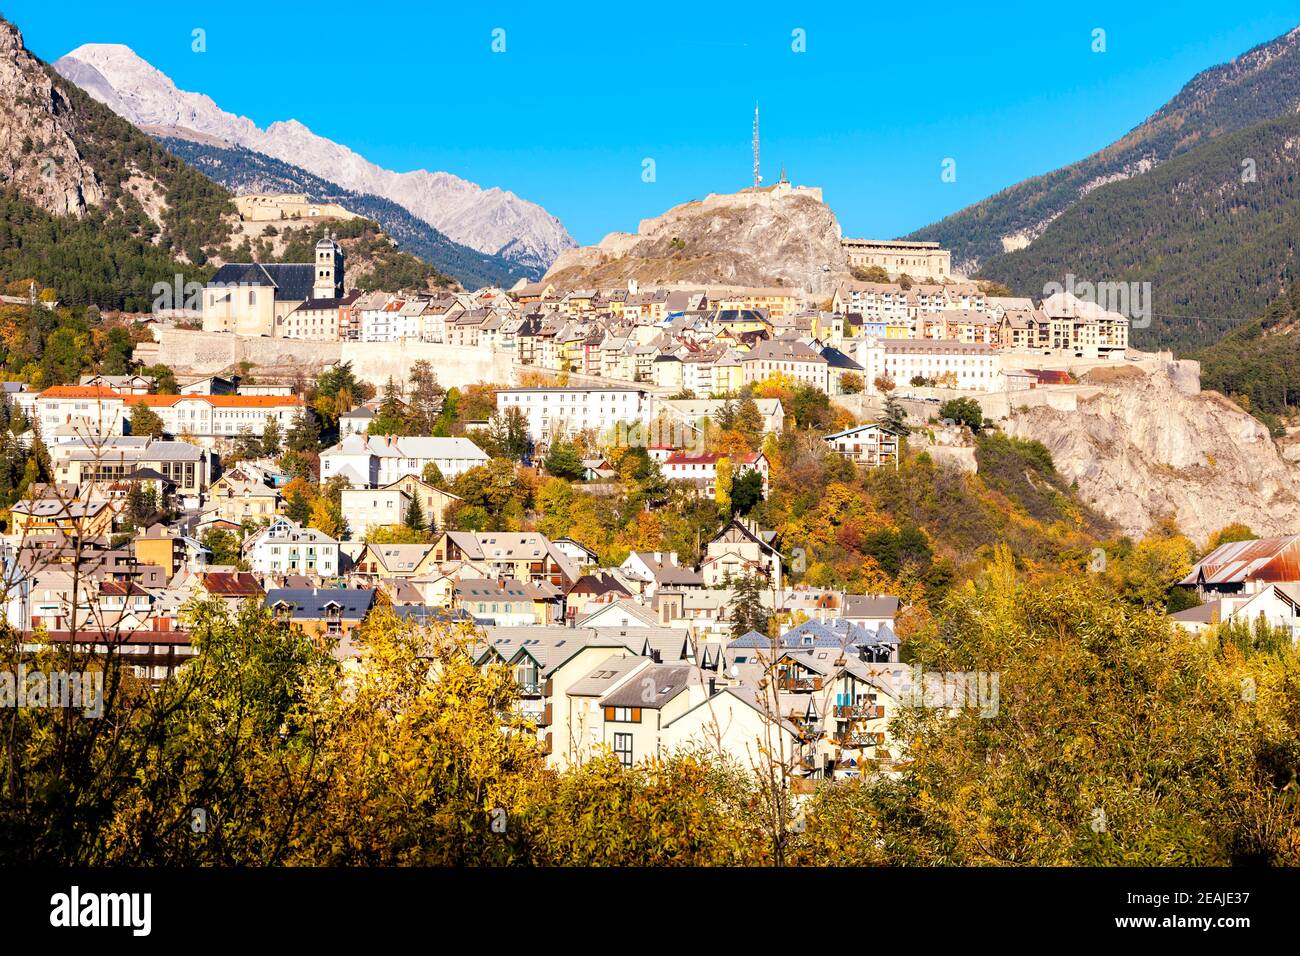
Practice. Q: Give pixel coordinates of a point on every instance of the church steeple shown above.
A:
(329, 269)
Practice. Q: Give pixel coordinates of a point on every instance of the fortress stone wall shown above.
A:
(197, 354)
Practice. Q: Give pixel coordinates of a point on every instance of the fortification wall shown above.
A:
(193, 354)
(455, 365)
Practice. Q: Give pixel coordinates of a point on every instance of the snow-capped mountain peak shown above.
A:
(489, 220)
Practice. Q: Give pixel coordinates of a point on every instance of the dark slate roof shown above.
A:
(241, 273)
(838, 359)
(652, 688)
(309, 603)
(835, 633)
(330, 303)
(292, 280)
(148, 474)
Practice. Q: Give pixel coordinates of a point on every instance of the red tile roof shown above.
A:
(81, 391)
(232, 584)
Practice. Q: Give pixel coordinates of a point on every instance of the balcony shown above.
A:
(859, 711)
(791, 683)
(859, 738)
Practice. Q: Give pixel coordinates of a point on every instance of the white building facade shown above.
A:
(554, 413)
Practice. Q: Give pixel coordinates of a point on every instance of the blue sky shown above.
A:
(584, 93)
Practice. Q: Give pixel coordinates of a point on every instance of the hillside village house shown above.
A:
(701, 469)
(507, 602)
(1085, 328)
(368, 508)
(87, 410)
(251, 298)
(1246, 567)
(122, 384)
(971, 366)
(375, 461)
(738, 551)
(1247, 581)
(239, 498)
(872, 445)
(321, 320)
(284, 547)
(169, 549)
(788, 357)
(187, 467)
(554, 413)
(523, 556)
(391, 562)
(215, 417)
(328, 614)
(66, 517)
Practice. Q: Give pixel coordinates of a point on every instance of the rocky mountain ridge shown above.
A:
(776, 235)
(244, 171)
(1261, 84)
(39, 155)
(488, 220)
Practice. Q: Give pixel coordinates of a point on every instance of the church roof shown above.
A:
(292, 281)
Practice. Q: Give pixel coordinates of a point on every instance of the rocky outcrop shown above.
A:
(1143, 447)
(493, 221)
(772, 236)
(39, 157)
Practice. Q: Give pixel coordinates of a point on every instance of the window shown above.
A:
(623, 749)
(624, 715)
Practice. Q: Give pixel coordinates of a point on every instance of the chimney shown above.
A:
(657, 656)
(713, 686)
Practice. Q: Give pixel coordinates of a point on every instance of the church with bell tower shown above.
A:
(253, 298)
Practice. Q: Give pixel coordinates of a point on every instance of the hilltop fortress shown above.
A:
(778, 235)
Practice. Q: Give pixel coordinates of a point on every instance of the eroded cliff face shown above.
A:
(1142, 448)
(752, 238)
(38, 155)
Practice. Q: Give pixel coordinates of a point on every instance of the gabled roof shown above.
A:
(291, 280)
(605, 675)
(739, 527)
(859, 429)
(399, 557)
(652, 688)
(631, 608)
(1263, 559)
(311, 603)
(747, 696)
(238, 584)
